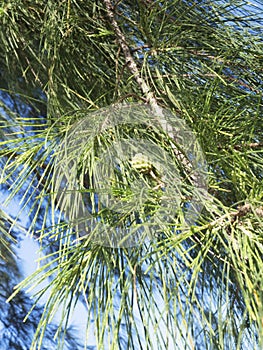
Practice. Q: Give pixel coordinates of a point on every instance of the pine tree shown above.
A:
(64, 66)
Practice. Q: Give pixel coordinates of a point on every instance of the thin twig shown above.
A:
(237, 214)
(249, 145)
(252, 145)
(146, 90)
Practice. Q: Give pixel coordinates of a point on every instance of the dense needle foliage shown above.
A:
(60, 63)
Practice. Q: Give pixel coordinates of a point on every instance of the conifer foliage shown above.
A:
(61, 62)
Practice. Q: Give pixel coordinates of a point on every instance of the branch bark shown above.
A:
(252, 145)
(145, 88)
(241, 211)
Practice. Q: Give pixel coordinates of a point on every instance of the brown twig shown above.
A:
(241, 211)
(252, 145)
(248, 145)
(146, 90)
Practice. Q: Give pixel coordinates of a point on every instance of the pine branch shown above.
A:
(236, 215)
(145, 88)
(244, 210)
(252, 145)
